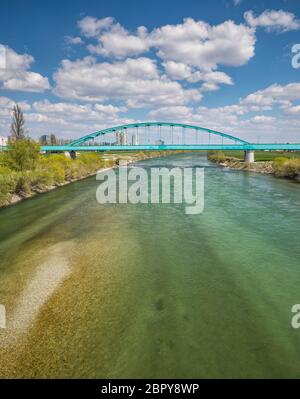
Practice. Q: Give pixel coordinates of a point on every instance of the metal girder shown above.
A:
(159, 124)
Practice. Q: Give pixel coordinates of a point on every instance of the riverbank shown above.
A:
(53, 171)
(288, 168)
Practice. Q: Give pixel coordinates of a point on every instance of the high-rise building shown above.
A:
(135, 139)
(118, 138)
(121, 138)
(124, 138)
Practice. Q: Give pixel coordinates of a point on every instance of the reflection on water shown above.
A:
(148, 291)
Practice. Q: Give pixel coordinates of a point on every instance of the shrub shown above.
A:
(287, 168)
(41, 179)
(23, 185)
(8, 182)
(22, 155)
(218, 157)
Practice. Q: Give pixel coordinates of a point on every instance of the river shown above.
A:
(108, 291)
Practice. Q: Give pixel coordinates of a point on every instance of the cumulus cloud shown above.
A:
(191, 51)
(201, 45)
(273, 20)
(173, 113)
(65, 119)
(92, 27)
(73, 40)
(195, 43)
(134, 81)
(16, 74)
(113, 39)
(274, 94)
(181, 71)
(73, 111)
(263, 118)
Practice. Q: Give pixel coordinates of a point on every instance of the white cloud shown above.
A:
(16, 75)
(203, 46)
(181, 71)
(92, 27)
(178, 70)
(73, 40)
(113, 39)
(293, 110)
(64, 119)
(194, 43)
(133, 81)
(263, 118)
(173, 113)
(274, 94)
(73, 111)
(273, 20)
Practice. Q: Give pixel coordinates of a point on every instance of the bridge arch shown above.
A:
(114, 129)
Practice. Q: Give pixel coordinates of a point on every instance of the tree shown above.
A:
(17, 124)
(22, 155)
(53, 140)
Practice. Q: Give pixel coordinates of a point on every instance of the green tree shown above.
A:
(18, 122)
(23, 155)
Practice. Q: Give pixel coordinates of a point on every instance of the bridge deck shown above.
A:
(165, 147)
(208, 147)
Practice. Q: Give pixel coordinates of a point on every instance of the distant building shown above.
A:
(3, 141)
(134, 139)
(44, 139)
(124, 138)
(118, 138)
(121, 138)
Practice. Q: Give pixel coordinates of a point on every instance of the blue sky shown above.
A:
(78, 66)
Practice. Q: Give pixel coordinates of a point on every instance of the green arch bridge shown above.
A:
(165, 136)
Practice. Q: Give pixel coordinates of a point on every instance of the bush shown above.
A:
(8, 182)
(23, 186)
(41, 179)
(22, 155)
(55, 167)
(218, 157)
(287, 167)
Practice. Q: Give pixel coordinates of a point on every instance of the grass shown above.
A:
(263, 156)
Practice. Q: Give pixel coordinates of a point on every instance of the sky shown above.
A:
(77, 66)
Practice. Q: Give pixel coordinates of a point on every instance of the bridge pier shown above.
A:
(249, 156)
(70, 154)
(73, 154)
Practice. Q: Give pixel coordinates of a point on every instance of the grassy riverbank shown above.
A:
(24, 172)
(286, 164)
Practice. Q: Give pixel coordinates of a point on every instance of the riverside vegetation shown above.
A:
(287, 165)
(25, 172)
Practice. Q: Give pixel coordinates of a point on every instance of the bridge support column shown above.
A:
(249, 156)
(72, 154)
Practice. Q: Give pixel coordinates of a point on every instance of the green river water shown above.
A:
(147, 291)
